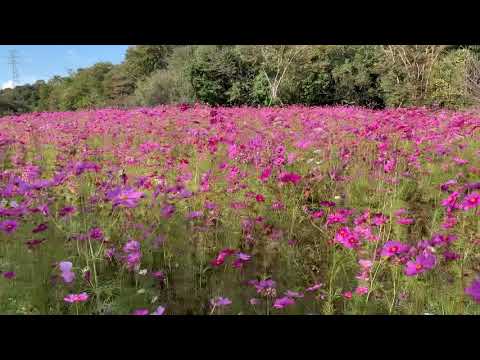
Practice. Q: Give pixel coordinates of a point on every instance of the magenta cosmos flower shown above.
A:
(8, 226)
(66, 211)
(361, 290)
(422, 263)
(241, 259)
(76, 298)
(167, 211)
(222, 255)
(66, 271)
(405, 221)
(287, 177)
(347, 238)
(283, 302)
(220, 301)
(131, 246)
(264, 285)
(336, 218)
(474, 290)
(293, 294)
(40, 228)
(96, 234)
(379, 219)
(141, 312)
(125, 197)
(194, 215)
(160, 311)
(314, 287)
(451, 201)
(9, 275)
(392, 248)
(471, 201)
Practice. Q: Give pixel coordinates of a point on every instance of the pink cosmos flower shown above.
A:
(265, 175)
(449, 222)
(264, 285)
(327, 203)
(220, 301)
(40, 228)
(460, 161)
(347, 295)
(160, 311)
(445, 186)
(314, 287)
(241, 260)
(365, 232)
(389, 165)
(8, 226)
(471, 201)
(422, 263)
(277, 205)
(379, 219)
(317, 214)
(450, 256)
(167, 211)
(336, 218)
(141, 312)
(287, 177)
(66, 211)
(474, 290)
(210, 205)
(254, 301)
(133, 260)
(405, 221)
(76, 298)
(347, 238)
(259, 198)
(96, 234)
(400, 212)
(451, 201)
(159, 275)
(131, 246)
(194, 215)
(365, 264)
(293, 294)
(441, 240)
(392, 248)
(110, 253)
(125, 197)
(283, 302)
(9, 275)
(363, 275)
(361, 290)
(222, 255)
(66, 271)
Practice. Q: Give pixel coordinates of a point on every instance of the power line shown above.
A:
(13, 61)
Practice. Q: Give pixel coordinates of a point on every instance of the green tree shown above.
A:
(142, 60)
(219, 75)
(171, 85)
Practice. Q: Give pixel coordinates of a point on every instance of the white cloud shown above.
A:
(7, 85)
(23, 81)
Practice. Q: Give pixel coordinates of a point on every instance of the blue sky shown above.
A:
(41, 62)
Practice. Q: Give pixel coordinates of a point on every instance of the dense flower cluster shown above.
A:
(182, 203)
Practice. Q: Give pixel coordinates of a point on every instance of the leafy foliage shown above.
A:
(368, 75)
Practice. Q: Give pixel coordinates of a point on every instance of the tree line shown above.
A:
(374, 76)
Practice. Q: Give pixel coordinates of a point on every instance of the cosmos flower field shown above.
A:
(180, 210)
